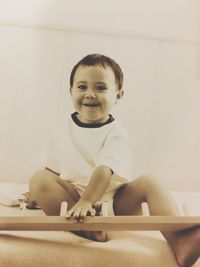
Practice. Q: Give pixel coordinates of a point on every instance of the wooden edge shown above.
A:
(114, 223)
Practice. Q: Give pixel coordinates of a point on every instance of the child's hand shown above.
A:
(80, 210)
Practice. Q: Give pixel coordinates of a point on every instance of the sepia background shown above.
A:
(157, 44)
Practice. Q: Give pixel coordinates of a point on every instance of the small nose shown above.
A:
(90, 93)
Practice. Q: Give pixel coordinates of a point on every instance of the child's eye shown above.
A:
(82, 87)
(101, 88)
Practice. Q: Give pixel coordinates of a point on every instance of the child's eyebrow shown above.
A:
(101, 83)
(81, 82)
(95, 82)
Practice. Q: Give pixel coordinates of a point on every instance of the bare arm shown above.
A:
(95, 190)
(98, 184)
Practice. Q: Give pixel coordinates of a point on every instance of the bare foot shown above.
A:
(100, 236)
(186, 246)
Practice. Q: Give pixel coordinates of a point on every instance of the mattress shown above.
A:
(52, 249)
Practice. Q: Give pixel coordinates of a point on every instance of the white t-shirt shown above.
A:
(74, 151)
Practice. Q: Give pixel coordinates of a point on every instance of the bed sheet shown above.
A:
(41, 248)
(64, 249)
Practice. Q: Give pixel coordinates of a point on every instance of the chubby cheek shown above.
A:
(76, 101)
(108, 105)
(78, 106)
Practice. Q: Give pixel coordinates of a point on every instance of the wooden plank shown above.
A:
(114, 223)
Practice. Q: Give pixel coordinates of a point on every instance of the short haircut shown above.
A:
(99, 60)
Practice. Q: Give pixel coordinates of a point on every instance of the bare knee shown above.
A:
(41, 181)
(149, 180)
(146, 184)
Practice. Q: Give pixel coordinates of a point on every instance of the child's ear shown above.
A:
(120, 94)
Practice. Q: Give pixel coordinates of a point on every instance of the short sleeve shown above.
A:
(116, 153)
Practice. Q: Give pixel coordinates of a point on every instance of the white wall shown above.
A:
(160, 108)
(175, 19)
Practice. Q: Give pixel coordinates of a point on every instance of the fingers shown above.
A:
(79, 214)
(92, 212)
(69, 213)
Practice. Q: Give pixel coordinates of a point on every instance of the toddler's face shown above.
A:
(94, 93)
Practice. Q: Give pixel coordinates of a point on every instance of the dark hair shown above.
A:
(101, 60)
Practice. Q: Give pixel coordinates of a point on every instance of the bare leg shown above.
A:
(48, 191)
(127, 201)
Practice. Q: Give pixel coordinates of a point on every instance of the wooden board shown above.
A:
(114, 223)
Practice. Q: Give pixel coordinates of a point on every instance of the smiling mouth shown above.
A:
(91, 105)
